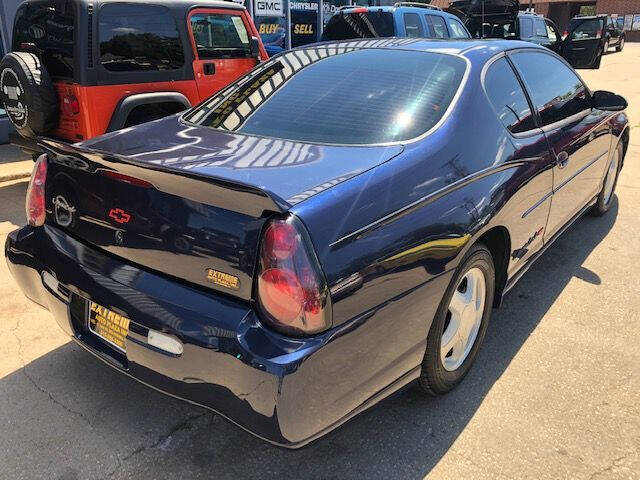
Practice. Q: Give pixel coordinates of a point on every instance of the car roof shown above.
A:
(167, 3)
(478, 49)
(425, 8)
(588, 17)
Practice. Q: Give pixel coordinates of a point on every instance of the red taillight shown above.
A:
(35, 193)
(121, 177)
(291, 289)
(359, 10)
(70, 105)
(564, 35)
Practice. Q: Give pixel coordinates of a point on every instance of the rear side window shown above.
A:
(526, 28)
(556, 91)
(539, 28)
(333, 99)
(412, 25)
(438, 26)
(135, 37)
(370, 24)
(587, 30)
(508, 99)
(457, 30)
(47, 29)
(220, 36)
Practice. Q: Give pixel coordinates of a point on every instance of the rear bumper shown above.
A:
(283, 390)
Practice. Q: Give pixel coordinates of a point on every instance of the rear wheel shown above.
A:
(605, 197)
(460, 324)
(620, 45)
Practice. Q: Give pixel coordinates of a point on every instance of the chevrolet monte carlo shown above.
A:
(336, 224)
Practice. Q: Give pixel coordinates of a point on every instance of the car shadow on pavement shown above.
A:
(140, 433)
(9, 210)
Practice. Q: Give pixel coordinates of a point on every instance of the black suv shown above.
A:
(582, 46)
(611, 33)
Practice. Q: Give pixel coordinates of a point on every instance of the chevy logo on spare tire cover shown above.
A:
(13, 98)
(27, 94)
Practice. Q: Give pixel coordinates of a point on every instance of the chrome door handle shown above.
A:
(562, 160)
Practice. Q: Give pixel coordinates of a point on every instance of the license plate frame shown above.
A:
(108, 325)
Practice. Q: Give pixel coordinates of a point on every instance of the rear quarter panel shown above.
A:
(388, 279)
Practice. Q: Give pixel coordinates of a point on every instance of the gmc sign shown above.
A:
(268, 8)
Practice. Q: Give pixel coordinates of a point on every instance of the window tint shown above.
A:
(438, 26)
(539, 28)
(48, 30)
(412, 25)
(333, 100)
(587, 29)
(506, 96)
(556, 91)
(456, 29)
(220, 36)
(370, 24)
(526, 28)
(136, 37)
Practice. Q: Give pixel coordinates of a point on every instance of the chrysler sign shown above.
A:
(269, 8)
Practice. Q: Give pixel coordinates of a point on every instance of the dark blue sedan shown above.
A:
(333, 226)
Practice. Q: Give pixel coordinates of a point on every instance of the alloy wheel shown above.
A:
(463, 319)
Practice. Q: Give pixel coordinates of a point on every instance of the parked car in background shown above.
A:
(81, 68)
(404, 19)
(335, 225)
(610, 32)
(582, 48)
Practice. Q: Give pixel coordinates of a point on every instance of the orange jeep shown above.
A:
(80, 68)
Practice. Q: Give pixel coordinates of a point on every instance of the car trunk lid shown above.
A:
(197, 215)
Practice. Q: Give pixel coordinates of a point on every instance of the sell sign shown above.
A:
(269, 8)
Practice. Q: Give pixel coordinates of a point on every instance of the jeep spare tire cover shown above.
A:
(27, 94)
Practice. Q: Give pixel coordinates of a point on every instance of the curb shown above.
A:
(15, 170)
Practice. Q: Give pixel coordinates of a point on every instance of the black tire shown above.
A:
(28, 95)
(603, 204)
(620, 45)
(434, 378)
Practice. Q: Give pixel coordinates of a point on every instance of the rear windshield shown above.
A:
(47, 29)
(322, 95)
(370, 24)
(586, 29)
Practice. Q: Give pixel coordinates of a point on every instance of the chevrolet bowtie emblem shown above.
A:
(119, 215)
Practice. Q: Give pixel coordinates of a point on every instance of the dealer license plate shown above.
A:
(108, 325)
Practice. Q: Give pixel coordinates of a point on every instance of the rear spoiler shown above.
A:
(208, 190)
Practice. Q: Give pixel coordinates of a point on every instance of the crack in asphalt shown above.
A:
(184, 425)
(52, 398)
(616, 462)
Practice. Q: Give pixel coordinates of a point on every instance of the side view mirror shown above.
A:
(254, 46)
(607, 101)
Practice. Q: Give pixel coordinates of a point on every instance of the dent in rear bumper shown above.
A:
(286, 391)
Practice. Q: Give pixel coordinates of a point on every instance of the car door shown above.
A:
(221, 41)
(582, 47)
(532, 201)
(577, 134)
(555, 37)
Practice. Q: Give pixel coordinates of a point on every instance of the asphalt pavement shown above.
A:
(555, 392)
